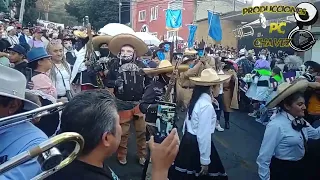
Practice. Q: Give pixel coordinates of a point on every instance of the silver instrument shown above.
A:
(49, 157)
(30, 115)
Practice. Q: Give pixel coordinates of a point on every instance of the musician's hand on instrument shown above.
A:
(162, 155)
(36, 120)
(63, 99)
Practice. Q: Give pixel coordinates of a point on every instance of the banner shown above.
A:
(173, 19)
(215, 31)
(192, 33)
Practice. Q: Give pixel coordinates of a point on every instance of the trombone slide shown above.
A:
(43, 148)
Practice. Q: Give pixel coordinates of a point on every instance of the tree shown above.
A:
(30, 13)
(100, 12)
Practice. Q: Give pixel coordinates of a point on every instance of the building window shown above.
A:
(142, 15)
(171, 34)
(154, 13)
(175, 4)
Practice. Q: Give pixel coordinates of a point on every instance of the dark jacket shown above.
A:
(155, 91)
(134, 83)
(22, 67)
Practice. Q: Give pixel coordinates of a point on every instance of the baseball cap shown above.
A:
(10, 28)
(18, 49)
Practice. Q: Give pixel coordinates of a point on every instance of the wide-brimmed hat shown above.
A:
(187, 58)
(209, 77)
(118, 41)
(163, 43)
(314, 65)
(285, 89)
(97, 41)
(36, 54)
(80, 34)
(190, 52)
(165, 66)
(13, 85)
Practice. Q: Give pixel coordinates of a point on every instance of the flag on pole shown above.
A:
(173, 19)
(215, 30)
(192, 31)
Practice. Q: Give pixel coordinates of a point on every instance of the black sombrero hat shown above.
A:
(163, 43)
(154, 53)
(314, 65)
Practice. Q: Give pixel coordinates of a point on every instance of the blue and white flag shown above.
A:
(215, 30)
(192, 33)
(173, 19)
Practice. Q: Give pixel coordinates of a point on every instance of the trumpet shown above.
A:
(30, 115)
(49, 157)
(239, 33)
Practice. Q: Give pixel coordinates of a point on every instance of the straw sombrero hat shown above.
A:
(209, 77)
(164, 67)
(285, 89)
(97, 41)
(118, 41)
(80, 34)
(190, 52)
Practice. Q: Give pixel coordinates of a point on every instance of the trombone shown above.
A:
(30, 115)
(48, 155)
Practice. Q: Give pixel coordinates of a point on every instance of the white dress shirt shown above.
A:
(62, 82)
(202, 124)
(283, 142)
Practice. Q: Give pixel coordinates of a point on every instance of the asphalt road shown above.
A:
(238, 148)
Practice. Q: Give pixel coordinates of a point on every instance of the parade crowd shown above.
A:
(123, 82)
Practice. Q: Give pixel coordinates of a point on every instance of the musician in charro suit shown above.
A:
(125, 75)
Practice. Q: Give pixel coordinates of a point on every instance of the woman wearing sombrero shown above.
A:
(198, 158)
(285, 139)
(126, 77)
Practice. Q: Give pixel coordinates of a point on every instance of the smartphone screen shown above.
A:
(28, 76)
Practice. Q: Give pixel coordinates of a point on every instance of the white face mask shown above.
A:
(126, 53)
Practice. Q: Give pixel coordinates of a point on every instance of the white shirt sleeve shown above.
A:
(204, 133)
(271, 139)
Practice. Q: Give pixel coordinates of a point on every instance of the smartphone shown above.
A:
(28, 76)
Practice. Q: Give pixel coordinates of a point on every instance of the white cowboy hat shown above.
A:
(118, 41)
(190, 52)
(13, 85)
(165, 66)
(97, 41)
(209, 77)
(285, 89)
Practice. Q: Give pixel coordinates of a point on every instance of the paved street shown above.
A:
(238, 148)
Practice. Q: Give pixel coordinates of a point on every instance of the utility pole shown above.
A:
(23, 2)
(120, 4)
(195, 7)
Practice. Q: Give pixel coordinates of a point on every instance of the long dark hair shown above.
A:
(197, 91)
